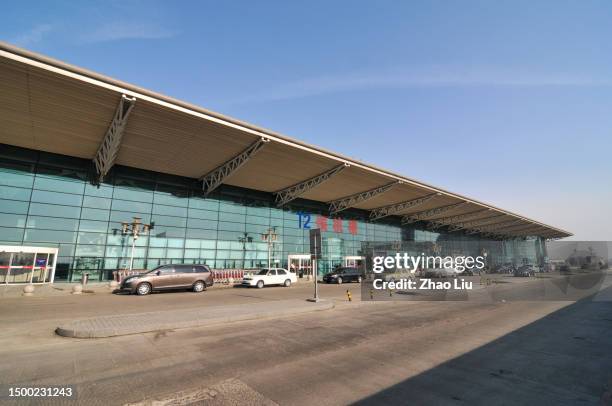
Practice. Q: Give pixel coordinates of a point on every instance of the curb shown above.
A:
(83, 328)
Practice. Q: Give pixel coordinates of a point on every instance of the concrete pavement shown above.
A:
(125, 324)
(392, 352)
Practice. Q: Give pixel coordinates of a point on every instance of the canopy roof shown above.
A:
(51, 106)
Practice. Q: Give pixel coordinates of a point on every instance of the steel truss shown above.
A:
(526, 228)
(109, 148)
(217, 176)
(450, 220)
(476, 223)
(392, 209)
(493, 227)
(412, 218)
(344, 203)
(292, 192)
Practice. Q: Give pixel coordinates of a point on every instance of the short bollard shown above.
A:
(77, 289)
(113, 285)
(349, 296)
(390, 293)
(371, 294)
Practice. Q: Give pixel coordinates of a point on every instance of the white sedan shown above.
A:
(272, 276)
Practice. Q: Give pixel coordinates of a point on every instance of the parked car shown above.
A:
(343, 274)
(505, 269)
(547, 267)
(166, 277)
(439, 272)
(524, 270)
(272, 276)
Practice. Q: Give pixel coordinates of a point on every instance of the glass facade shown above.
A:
(48, 200)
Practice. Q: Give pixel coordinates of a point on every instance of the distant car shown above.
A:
(391, 275)
(341, 275)
(524, 271)
(267, 277)
(564, 268)
(505, 269)
(548, 267)
(166, 277)
(440, 272)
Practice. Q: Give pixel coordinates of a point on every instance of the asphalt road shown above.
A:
(384, 353)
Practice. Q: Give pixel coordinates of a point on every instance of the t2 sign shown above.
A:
(304, 219)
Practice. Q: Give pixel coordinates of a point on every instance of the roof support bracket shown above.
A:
(392, 209)
(476, 223)
(344, 203)
(522, 229)
(109, 148)
(422, 215)
(286, 195)
(217, 176)
(449, 220)
(494, 227)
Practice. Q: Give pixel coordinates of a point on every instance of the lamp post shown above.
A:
(484, 254)
(135, 229)
(270, 237)
(244, 240)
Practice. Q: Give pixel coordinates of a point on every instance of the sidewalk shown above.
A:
(110, 326)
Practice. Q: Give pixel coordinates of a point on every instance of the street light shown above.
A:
(135, 229)
(246, 238)
(270, 237)
(484, 254)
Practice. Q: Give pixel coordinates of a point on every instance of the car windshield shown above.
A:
(262, 272)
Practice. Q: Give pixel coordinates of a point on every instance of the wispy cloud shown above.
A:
(121, 30)
(33, 36)
(433, 77)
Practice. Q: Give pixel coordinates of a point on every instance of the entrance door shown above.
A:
(40, 268)
(353, 261)
(300, 264)
(21, 267)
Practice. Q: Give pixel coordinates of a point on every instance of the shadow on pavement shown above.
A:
(564, 358)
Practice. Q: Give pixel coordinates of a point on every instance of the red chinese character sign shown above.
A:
(322, 222)
(337, 225)
(352, 226)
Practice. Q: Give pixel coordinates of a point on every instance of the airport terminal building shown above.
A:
(82, 155)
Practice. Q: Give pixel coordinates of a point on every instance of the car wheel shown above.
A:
(198, 286)
(287, 283)
(260, 284)
(359, 279)
(143, 289)
(339, 281)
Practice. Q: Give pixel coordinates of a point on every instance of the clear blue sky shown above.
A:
(507, 102)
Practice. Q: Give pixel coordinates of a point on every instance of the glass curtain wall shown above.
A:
(47, 200)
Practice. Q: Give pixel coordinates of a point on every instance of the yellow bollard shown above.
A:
(371, 294)
(348, 295)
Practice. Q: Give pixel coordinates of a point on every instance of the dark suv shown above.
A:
(341, 275)
(194, 277)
